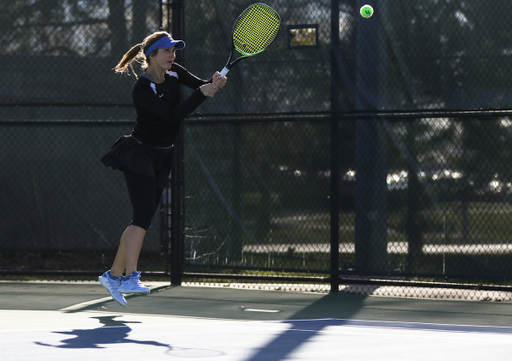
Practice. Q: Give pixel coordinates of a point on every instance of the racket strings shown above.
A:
(256, 29)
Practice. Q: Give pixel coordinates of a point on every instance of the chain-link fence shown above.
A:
(434, 201)
(353, 151)
(422, 185)
(61, 107)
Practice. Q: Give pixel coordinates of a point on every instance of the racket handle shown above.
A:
(224, 72)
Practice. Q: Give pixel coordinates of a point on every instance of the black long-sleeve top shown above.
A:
(159, 111)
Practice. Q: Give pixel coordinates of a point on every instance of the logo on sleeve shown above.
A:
(153, 86)
(173, 73)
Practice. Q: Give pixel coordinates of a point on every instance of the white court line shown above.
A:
(50, 321)
(31, 320)
(259, 310)
(82, 305)
(419, 326)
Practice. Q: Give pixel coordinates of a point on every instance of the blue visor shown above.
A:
(165, 43)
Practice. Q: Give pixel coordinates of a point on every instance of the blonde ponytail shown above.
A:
(136, 53)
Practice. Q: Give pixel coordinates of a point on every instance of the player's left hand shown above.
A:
(209, 90)
(218, 80)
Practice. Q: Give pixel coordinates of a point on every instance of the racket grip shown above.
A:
(224, 72)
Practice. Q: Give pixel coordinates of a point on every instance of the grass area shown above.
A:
(450, 223)
(480, 223)
(455, 223)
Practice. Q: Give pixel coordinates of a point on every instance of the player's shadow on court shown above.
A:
(333, 309)
(112, 332)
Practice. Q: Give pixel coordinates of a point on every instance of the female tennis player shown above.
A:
(145, 155)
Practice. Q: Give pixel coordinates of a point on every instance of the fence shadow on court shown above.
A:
(331, 310)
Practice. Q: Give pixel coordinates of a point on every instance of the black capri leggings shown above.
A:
(144, 196)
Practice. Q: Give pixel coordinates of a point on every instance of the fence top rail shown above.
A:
(398, 115)
(60, 122)
(198, 118)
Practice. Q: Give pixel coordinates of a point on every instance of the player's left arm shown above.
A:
(190, 80)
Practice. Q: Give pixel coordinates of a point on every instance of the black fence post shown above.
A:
(335, 95)
(177, 212)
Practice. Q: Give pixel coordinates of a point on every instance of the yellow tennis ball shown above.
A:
(366, 11)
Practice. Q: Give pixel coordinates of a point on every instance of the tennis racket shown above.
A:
(255, 29)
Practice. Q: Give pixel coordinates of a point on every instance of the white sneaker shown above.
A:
(131, 284)
(112, 286)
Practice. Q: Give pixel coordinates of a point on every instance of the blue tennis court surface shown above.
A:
(222, 324)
